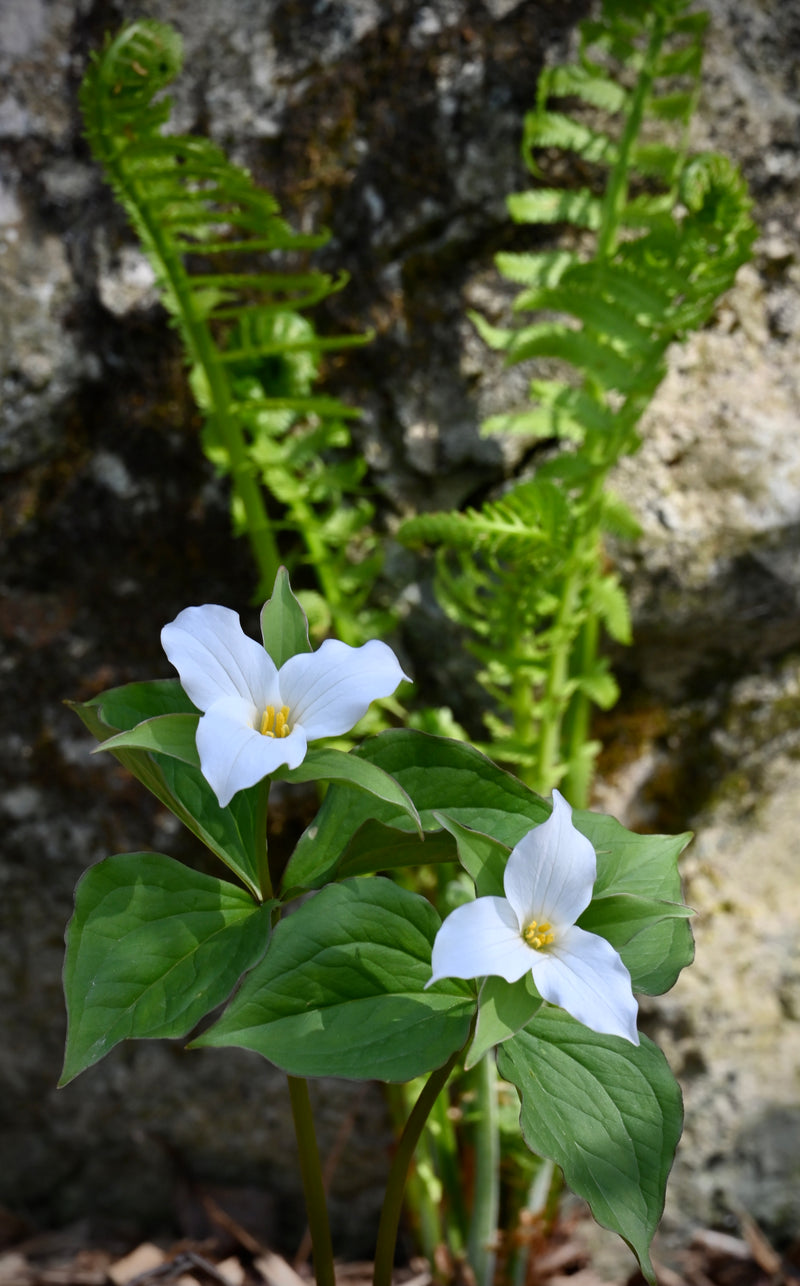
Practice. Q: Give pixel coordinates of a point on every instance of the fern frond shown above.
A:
(660, 238)
(531, 516)
(227, 265)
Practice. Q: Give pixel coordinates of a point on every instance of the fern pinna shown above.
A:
(655, 237)
(207, 230)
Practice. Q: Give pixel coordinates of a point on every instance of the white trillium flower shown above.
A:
(548, 882)
(257, 717)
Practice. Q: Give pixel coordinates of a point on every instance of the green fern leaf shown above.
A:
(600, 687)
(618, 518)
(553, 129)
(551, 205)
(610, 602)
(577, 81)
(544, 269)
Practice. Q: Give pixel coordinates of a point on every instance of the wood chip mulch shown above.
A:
(237, 1258)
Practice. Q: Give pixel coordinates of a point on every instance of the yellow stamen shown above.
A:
(275, 725)
(538, 935)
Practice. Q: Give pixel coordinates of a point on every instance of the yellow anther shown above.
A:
(281, 726)
(275, 725)
(538, 935)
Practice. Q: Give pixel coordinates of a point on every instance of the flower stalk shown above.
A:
(313, 1185)
(486, 1201)
(398, 1173)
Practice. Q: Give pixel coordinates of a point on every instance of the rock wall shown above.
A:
(397, 124)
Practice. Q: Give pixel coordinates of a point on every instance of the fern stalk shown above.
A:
(616, 195)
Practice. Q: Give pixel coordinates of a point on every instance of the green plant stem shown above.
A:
(616, 194)
(398, 1172)
(423, 1197)
(445, 1150)
(313, 1186)
(577, 779)
(545, 773)
(265, 881)
(486, 1202)
(343, 624)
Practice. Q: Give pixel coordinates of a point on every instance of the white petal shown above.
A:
(480, 938)
(215, 658)
(583, 974)
(329, 690)
(551, 871)
(234, 756)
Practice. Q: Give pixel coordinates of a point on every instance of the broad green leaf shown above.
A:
(619, 917)
(124, 707)
(503, 1008)
(171, 734)
(652, 936)
(152, 947)
(483, 858)
(646, 865)
(656, 956)
(376, 847)
(231, 833)
(607, 1112)
(334, 765)
(341, 990)
(284, 627)
(439, 775)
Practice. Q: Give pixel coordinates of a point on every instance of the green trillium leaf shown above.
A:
(619, 917)
(643, 868)
(231, 833)
(341, 990)
(376, 847)
(124, 707)
(322, 764)
(440, 776)
(152, 947)
(171, 734)
(652, 937)
(607, 1112)
(656, 956)
(645, 865)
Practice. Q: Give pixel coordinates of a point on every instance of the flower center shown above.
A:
(275, 725)
(538, 935)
